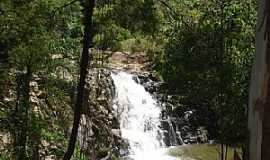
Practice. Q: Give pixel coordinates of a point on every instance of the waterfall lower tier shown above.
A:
(139, 117)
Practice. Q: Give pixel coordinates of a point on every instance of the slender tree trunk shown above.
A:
(35, 154)
(226, 152)
(245, 146)
(35, 142)
(88, 6)
(22, 113)
(222, 151)
(222, 76)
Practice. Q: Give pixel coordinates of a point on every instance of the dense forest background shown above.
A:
(203, 50)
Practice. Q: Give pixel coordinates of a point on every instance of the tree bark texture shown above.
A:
(259, 97)
(88, 6)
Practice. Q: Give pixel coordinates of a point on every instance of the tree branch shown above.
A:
(168, 6)
(64, 6)
(174, 13)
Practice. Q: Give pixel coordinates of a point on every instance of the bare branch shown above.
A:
(174, 13)
(64, 6)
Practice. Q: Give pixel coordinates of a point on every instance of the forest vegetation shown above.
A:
(203, 50)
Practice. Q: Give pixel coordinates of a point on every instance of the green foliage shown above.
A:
(208, 60)
(32, 33)
(202, 49)
(5, 155)
(138, 44)
(136, 16)
(79, 155)
(121, 20)
(110, 37)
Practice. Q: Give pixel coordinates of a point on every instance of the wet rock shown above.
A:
(176, 118)
(116, 132)
(99, 127)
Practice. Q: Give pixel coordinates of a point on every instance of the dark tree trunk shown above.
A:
(22, 114)
(35, 155)
(226, 152)
(259, 95)
(88, 6)
(266, 114)
(222, 151)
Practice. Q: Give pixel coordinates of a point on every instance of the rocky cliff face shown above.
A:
(99, 132)
(176, 119)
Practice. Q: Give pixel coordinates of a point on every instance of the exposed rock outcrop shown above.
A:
(99, 133)
(177, 128)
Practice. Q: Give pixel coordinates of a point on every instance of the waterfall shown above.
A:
(139, 117)
(172, 133)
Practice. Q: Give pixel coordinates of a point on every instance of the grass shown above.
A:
(200, 152)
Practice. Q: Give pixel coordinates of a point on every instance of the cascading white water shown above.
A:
(139, 119)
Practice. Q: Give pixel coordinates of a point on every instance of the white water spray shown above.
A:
(139, 117)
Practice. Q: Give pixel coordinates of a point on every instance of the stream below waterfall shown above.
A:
(139, 116)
